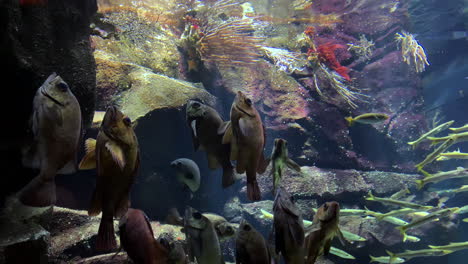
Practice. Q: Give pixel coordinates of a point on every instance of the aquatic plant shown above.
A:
(413, 53)
(335, 81)
(230, 43)
(286, 61)
(363, 48)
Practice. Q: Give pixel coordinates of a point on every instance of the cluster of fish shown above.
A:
(460, 135)
(241, 139)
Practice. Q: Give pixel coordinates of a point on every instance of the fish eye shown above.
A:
(127, 121)
(63, 87)
(248, 101)
(247, 227)
(189, 176)
(325, 206)
(197, 215)
(196, 105)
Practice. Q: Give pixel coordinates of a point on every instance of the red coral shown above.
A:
(326, 54)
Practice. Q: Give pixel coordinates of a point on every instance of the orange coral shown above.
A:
(326, 54)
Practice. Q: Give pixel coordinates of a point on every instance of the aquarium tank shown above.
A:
(234, 131)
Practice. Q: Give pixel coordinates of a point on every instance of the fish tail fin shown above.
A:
(96, 204)
(38, 193)
(419, 184)
(370, 196)
(228, 177)
(350, 120)
(105, 238)
(402, 230)
(372, 259)
(253, 191)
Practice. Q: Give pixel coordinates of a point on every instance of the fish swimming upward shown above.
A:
(289, 228)
(137, 239)
(205, 123)
(115, 154)
(56, 129)
(280, 159)
(246, 134)
(202, 238)
(323, 230)
(251, 247)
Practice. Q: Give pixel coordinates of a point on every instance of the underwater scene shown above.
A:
(233, 131)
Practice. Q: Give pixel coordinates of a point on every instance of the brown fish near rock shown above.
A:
(137, 239)
(115, 154)
(289, 228)
(56, 129)
(251, 247)
(323, 230)
(204, 123)
(246, 134)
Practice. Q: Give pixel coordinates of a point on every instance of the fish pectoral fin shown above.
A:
(341, 237)
(262, 164)
(244, 128)
(326, 247)
(89, 160)
(117, 153)
(68, 168)
(227, 137)
(293, 165)
(212, 161)
(223, 127)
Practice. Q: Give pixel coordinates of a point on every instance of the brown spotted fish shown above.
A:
(115, 154)
(289, 228)
(204, 123)
(137, 239)
(323, 230)
(247, 137)
(56, 128)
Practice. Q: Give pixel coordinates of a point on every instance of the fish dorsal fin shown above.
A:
(117, 153)
(89, 160)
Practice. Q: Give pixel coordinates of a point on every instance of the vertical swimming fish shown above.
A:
(202, 238)
(323, 230)
(246, 134)
(56, 128)
(280, 159)
(289, 228)
(204, 123)
(251, 247)
(116, 155)
(137, 239)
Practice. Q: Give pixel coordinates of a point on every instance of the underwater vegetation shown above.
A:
(412, 52)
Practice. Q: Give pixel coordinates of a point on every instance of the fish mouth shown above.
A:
(242, 110)
(51, 98)
(109, 117)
